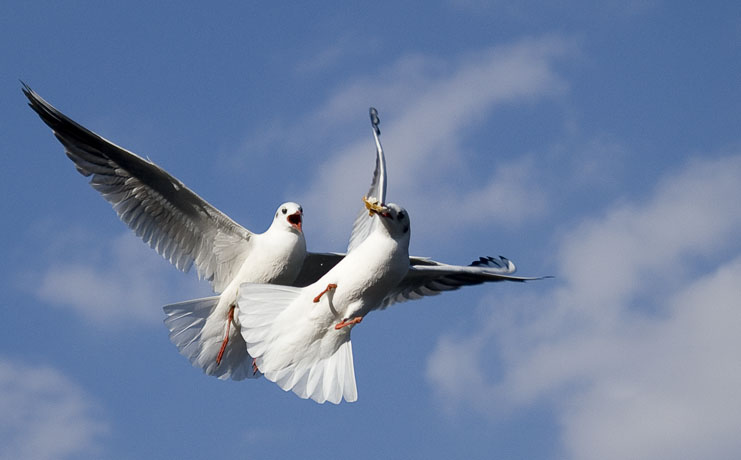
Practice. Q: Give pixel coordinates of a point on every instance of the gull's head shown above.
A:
(289, 216)
(394, 218)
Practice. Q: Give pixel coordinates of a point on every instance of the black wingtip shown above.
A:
(35, 101)
(490, 261)
(375, 120)
(46, 111)
(27, 91)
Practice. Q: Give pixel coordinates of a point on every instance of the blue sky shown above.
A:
(594, 141)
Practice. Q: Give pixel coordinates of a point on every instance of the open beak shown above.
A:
(374, 207)
(295, 220)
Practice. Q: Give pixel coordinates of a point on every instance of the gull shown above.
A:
(425, 277)
(186, 230)
(300, 337)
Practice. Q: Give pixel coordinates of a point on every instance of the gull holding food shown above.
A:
(300, 337)
(425, 277)
(186, 230)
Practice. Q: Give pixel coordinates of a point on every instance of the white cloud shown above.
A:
(510, 196)
(122, 281)
(636, 346)
(427, 106)
(43, 415)
(436, 107)
(669, 388)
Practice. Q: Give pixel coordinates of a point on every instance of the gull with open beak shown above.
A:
(187, 231)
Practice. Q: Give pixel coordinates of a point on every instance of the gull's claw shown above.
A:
(348, 322)
(327, 289)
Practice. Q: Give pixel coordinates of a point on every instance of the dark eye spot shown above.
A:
(284, 210)
(300, 209)
(400, 216)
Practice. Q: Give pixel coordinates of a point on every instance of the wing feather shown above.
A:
(363, 225)
(161, 210)
(428, 278)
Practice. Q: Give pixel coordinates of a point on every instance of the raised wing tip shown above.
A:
(28, 92)
(375, 121)
(35, 101)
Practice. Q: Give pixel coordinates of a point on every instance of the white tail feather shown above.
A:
(186, 322)
(292, 347)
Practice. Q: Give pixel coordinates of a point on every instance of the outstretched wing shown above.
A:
(363, 225)
(169, 217)
(427, 277)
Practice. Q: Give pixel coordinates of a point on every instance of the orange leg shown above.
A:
(226, 337)
(348, 322)
(328, 288)
(254, 366)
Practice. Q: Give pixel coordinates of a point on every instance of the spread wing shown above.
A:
(363, 225)
(427, 277)
(169, 217)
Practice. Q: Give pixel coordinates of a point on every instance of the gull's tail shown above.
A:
(199, 335)
(293, 346)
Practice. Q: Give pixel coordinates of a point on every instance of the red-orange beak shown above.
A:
(295, 220)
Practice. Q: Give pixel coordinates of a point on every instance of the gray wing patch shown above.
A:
(315, 266)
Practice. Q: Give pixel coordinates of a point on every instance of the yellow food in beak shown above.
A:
(374, 207)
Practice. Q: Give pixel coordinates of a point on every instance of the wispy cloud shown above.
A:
(117, 282)
(434, 104)
(44, 415)
(428, 106)
(636, 347)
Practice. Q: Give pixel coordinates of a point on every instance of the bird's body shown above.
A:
(300, 338)
(383, 263)
(275, 256)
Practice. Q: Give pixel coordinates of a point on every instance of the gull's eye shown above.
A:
(300, 209)
(284, 210)
(400, 216)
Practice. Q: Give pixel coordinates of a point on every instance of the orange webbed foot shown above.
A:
(327, 289)
(348, 322)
